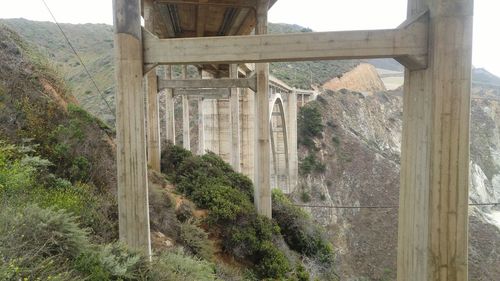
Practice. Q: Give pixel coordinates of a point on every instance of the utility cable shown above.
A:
(378, 207)
(80, 59)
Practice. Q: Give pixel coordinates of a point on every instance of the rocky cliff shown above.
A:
(360, 148)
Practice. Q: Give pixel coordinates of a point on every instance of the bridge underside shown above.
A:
(434, 45)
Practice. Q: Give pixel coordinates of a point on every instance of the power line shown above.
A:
(80, 59)
(378, 207)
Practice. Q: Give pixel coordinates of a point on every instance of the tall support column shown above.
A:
(186, 140)
(433, 214)
(247, 133)
(211, 123)
(169, 108)
(235, 120)
(201, 128)
(133, 211)
(224, 129)
(262, 194)
(291, 128)
(153, 108)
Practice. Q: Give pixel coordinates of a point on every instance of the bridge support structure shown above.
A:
(434, 45)
(433, 213)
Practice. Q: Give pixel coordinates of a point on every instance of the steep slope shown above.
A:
(360, 149)
(363, 78)
(94, 43)
(58, 192)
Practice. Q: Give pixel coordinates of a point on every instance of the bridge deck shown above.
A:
(203, 18)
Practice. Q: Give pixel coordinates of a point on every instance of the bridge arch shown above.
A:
(280, 163)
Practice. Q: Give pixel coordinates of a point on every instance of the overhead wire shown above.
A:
(377, 207)
(80, 60)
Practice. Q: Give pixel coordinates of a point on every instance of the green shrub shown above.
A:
(305, 196)
(175, 266)
(24, 180)
(196, 241)
(38, 243)
(309, 125)
(273, 262)
(121, 263)
(212, 184)
(310, 164)
(298, 230)
(171, 157)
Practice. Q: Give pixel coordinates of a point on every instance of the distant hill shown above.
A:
(94, 43)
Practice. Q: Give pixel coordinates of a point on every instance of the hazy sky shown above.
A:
(319, 15)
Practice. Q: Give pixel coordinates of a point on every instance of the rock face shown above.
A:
(363, 78)
(360, 147)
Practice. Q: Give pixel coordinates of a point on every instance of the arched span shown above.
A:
(280, 176)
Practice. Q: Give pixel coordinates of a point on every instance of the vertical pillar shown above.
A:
(186, 140)
(201, 128)
(291, 129)
(153, 108)
(211, 123)
(247, 132)
(169, 108)
(133, 211)
(433, 214)
(224, 129)
(235, 120)
(262, 194)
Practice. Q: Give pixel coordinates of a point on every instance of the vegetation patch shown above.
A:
(309, 125)
(300, 233)
(212, 184)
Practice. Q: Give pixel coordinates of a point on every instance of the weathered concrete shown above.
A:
(433, 214)
(186, 139)
(133, 207)
(235, 121)
(169, 108)
(262, 193)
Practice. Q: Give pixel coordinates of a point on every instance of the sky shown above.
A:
(319, 15)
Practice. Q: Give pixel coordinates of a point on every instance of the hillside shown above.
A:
(59, 214)
(354, 160)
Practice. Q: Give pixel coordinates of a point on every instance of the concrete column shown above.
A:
(186, 140)
(169, 108)
(224, 129)
(292, 140)
(262, 194)
(201, 128)
(153, 107)
(211, 127)
(433, 213)
(132, 174)
(247, 132)
(235, 120)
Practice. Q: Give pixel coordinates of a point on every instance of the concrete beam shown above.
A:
(408, 41)
(208, 83)
(204, 93)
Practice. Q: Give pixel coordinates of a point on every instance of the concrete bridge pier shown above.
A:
(169, 107)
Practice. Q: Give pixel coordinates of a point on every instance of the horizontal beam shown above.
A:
(208, 83)
(227, 3)
(203, 93)
(408, 41)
